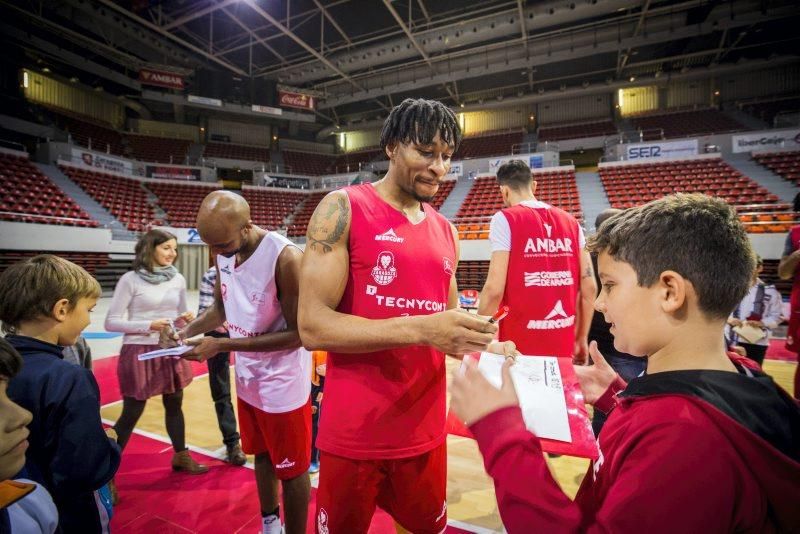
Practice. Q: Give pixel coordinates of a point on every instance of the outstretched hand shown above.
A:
(595, 379)
(474, 397)
(203, 349)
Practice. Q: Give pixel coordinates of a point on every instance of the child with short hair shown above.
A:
(45, 303)
(701, 442)
(24, 505)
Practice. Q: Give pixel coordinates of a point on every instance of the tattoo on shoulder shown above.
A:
(588, 272)
(321, 237)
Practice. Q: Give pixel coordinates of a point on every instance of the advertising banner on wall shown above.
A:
(766, 140)
(266, 109)
(216, 102)
(172, 173)
(102, 161)
(296, 100)
(456, 169)
(161, 78)
(661, 149)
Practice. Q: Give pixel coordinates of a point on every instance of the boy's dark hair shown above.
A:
(10, 360)
(695, 235)
(515, 174)
(30, 288)
(418, 121)
(147, 245)
(796, 203)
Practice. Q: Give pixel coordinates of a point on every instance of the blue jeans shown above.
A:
(628, 368)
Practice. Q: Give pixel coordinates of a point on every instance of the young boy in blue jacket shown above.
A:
(45, 303)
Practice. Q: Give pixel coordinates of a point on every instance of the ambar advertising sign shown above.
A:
(766, 140)
(161, 78)
(296, 100)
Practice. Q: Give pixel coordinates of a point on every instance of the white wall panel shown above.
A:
(476, 122)
(689, 94)
(242, 133)
(638, 100)
(768, 82)
(588, 108)
(51, 92)
(166, 129)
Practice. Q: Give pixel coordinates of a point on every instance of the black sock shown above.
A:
(276, 512)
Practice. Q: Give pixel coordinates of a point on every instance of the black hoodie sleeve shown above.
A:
(84, 458)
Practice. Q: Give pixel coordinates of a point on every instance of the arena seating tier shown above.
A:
(485, 145)
(158, 149)
(351, 161)
(300, 222)
(180, 201)
(85, 131)
(232, 151)
(91, 261)
(441, 195)
(577, 131)
(632, 185)
(472, 274)
(125, 198)
(785, 164)
(684, 124)
(557, 188)
(270, 207)
(27, 195)
(766, 111)
(311, 163)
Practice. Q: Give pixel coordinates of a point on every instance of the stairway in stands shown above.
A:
(593, 197)
(90, 205)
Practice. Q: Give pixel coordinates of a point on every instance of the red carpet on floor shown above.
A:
(777, 351)
(154, 499)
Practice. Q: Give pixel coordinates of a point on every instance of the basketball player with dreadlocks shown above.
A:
(378, 292)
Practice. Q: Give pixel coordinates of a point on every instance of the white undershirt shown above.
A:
(500, 232)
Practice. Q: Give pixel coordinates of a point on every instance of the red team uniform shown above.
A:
(543, 278)
(382, 434)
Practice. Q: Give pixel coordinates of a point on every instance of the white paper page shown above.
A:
(537, 380)
(161, 353)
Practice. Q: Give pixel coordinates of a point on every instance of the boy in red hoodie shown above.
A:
(701, 442)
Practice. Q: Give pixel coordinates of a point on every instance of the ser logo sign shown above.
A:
(637, 152)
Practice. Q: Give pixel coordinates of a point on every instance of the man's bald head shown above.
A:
(221, 217)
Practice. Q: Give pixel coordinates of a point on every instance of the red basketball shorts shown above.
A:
(412, 490)
(285, 437)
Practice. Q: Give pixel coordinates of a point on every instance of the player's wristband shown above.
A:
(608, 400)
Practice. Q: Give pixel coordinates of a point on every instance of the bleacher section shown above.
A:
(300, 222)
(91, 261)
(766, 111)
(444, 191)
(158, 149)
(577, 131)
(180, 201)
(557, 188)
(311, 163)
(231, 151)
(632, 185)
(472, 274)
(86, 131)
(27, 195)
(351, 161)
(785, 164)
(491, 144)
(270, 207)
(124, 198)
(684, 124)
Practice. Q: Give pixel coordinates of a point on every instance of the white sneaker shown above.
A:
(271, 525)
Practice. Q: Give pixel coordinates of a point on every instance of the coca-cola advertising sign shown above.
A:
(296, 100)
(161, 78)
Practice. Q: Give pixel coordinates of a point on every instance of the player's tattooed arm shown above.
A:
(588, 272)
(328, 223)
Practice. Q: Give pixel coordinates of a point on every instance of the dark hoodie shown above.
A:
(684, 451)
(69, 453)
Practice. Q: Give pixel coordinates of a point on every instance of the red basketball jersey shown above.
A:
(389, 404)
(542, 280)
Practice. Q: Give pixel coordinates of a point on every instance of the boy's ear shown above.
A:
(673, 290)
(60, 310)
